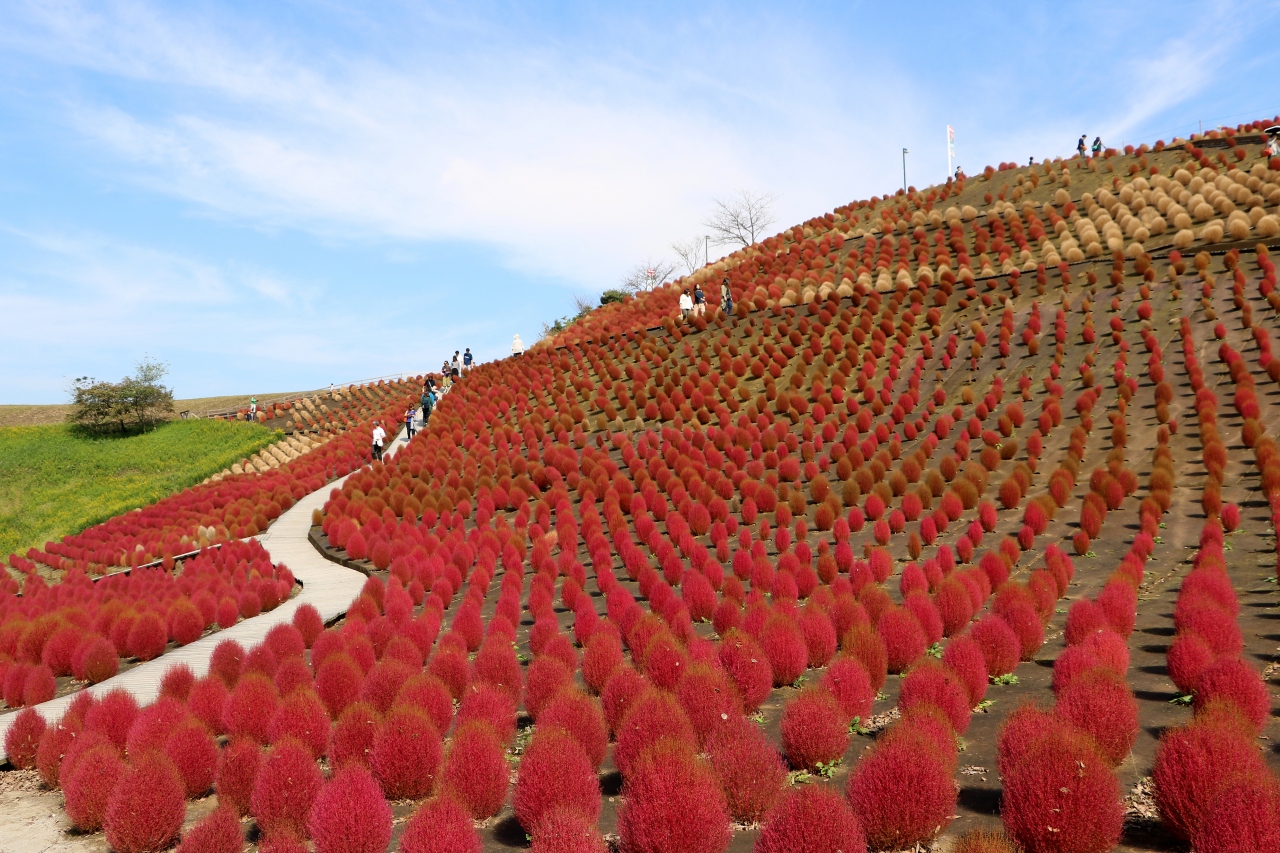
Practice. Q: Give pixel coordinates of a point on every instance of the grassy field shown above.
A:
(54, 482)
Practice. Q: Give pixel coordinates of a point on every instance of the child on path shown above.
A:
(379, 436)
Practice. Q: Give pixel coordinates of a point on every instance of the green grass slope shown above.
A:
(54, 481)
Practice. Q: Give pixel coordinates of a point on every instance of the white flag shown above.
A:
(951, 141)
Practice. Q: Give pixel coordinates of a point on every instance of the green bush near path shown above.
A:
(55, 480)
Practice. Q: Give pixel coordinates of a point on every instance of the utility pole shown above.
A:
(706, 250)
(904, 170)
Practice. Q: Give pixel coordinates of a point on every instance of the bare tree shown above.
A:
(648, 275)
(583, 304)
(692, 253)
(742, 220)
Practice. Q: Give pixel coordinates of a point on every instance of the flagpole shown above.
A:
(948, 151)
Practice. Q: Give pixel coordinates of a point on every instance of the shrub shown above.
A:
(811, 819)
(148, 637)
(999, 644)
(565, 830)
(113, 715)
(1216, 627)
(980, 841)
(547, 676)
(750, 771)
(624, 687)
(88, 783)
(440, 825)
(350, 815)
(285, 789)
(1100, 703)
(814, 729)
(53, 746)
(351, 738)
(406, 754)
(847, 681)
(708, 698)
(554, 771)
(429, 694)
(600, 659)
(931, 683)
(237, 770)
(475, 771)
(1235, 682)
(673, 804)
(963, 656)
(1084, 618)
(193, 752)
(338, 683)
(251, 707)
(303, 716)
(902, 793)
(383, 683)
(308, 622)
(652, 716)
(207, 701)
(147, 806)
(1060, 795)
(482, 702)
(496, 664)
(819, 636)
(177, 682)
(1244, 816)
(745, 662)
(785, 649)
(218, 832)
(23, 738)
(866, 644)
(904, 639)
(99, 660)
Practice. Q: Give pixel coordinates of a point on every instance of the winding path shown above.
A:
(327, 586)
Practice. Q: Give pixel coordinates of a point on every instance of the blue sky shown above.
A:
(277, 196)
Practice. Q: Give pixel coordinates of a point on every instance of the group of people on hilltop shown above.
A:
(1085, 151)
(694, 303)
(431, 394)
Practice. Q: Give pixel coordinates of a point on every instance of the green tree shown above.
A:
(135, 403)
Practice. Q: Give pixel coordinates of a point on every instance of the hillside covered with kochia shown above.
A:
(961, 527)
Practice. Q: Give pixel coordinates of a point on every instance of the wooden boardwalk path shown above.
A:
(327, 586)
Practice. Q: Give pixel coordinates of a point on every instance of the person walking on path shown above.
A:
(408, 421)
(699, 301)
(517, 346)
(253, 408)
(686, 304)
(726, 297)
(466, 360)
(1097, 146)
(1080, 147)
(456, 366)
(379, 436)
(428, 403)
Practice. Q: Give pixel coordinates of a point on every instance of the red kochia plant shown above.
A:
(1196, 763)
(673, 804)
(251, 707)
(218, 832)
(652, 716)
(475, 771)
(554, 771)
(23, 738)
(147, 806)
(744, 660)
(866, 644)
(303, 716)
(708, 698)
(192, 750)
(1245, 815)
(564, 830)
(207, 700)
(177, 682)
(814, 729)
(1101, 704)
(351, 738)
(811, 819)
(1059, 793)
(237, 771)
(406, 754)
(547, 676)
(580, 715)
(902, 792)
(308, 622)
(1233, 681)
(750, 771)
(904, 639)
(931, 683)
(963, 656)
(87, 785)
(999, 644)
(979, 841)
(601, 657)
(441, 825)
(350, 815)
(624, 687)
(286, 786)
(847, 681)
(785, 649)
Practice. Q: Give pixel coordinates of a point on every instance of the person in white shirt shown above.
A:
(686, 304)
(517, 346)
(379, 436)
